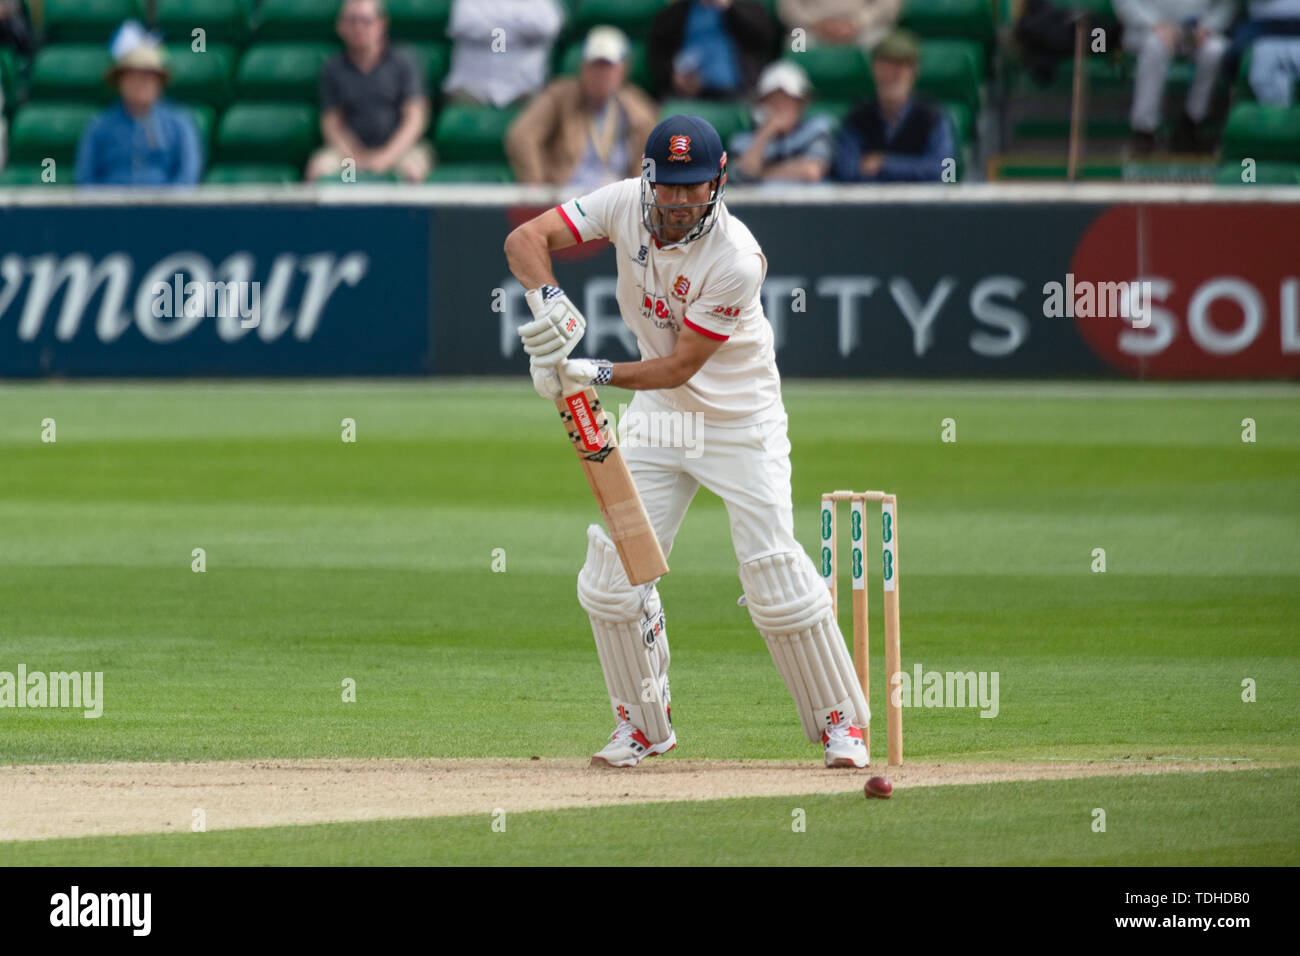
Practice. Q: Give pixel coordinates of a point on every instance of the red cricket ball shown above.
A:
(879, 788)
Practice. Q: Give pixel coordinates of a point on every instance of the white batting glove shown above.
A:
(556, 328)
(546, 380)
(583, 372)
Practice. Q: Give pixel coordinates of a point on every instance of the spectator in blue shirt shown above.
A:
(786, 144)
(894, 137)
(141, 141)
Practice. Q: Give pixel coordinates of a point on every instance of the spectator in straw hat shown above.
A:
(142, 141)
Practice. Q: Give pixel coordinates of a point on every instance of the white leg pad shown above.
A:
(631, 640)
(791, 608)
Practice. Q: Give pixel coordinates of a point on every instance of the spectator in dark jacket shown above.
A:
(894, 137)
(710, 49)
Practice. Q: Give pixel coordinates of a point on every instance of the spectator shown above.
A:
(864, 22)
(894, 137)
(15, 34)
(711, 49)
(1273, 35)
(786, 146)
(586, 132)
(142, 141)
(373, 103)
(501, 49)
(1157, 31)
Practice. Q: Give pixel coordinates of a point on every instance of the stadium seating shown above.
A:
(51, 130)
(284, 72)
(207, 77)
(472, 173)
(26, 174)
(204, 119)
(424, 20)
(631, 16)
(223, 21)
(727, 118)
(281, 133)
(836, 72)
(1261, 132)
(72, 71)
(228, 173)
(434, 60)
(951, 70)
(957, 19)
(465, 133)
(297, 20)
(87, 21)
(1267, 173)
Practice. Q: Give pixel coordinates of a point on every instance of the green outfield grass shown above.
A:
(373, 561)
(1220, 819)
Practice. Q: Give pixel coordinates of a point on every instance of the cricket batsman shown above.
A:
(689, 281)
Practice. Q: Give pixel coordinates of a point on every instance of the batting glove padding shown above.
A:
(556, 328)
(546, 380)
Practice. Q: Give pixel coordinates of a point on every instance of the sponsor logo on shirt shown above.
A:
(681, 286)
(730, 311)
(656, 310)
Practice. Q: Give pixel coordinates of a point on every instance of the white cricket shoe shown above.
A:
(844, 746)
(627, 747)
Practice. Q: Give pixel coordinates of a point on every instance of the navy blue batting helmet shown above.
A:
(682, 150)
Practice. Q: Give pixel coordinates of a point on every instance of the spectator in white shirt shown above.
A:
(501, 49)
(1157, 31)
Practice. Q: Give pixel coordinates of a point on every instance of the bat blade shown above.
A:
(620, 503)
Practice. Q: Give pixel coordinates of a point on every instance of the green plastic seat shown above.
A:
(434, 59)
(637, 70)
(362, 177)
(223, 21)
(951, 70)
(51, 130)
(727, 118)
(298, 20)
(424, 20)
(1267, 173)
(207, 77)
(234, 173)
(282, 71)
(88, 21)
(282, 133)
(1262, 132)
(631, 16)
(25, 174)
(205, 118)
(836, 72)
(835, 109)
(466, 133)
(963, 121)
(965, 19)
(472, 173)
(72, 71)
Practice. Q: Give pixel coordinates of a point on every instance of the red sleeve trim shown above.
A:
(705, 332)
(572, 228)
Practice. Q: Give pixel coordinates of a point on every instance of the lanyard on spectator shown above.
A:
(602, 141)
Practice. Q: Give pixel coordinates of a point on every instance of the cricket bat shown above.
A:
(620, 504)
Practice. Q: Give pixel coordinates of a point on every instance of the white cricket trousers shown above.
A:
(747, 467)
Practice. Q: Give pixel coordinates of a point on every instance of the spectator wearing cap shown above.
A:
(708, 49)
(374, 108)
(786, 145)
(895, 136)
(1157, 31)
(500, 49)
(584, 132)
(141, 141)
(841, 22)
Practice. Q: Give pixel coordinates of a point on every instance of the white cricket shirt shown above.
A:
(711, 285)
